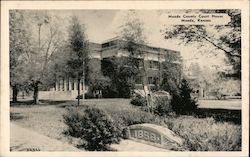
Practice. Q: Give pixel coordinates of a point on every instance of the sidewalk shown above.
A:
(22, 139)
(129, 145)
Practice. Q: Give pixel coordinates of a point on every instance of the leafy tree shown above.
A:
(122, 74)
(171, 73)
(98, 82)
(222, 86)
(20, 50)
(36, 56)
(133, 41)
(78, 53)
(49, 38)
(227, 38)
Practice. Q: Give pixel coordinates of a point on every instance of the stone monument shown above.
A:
(155, 135)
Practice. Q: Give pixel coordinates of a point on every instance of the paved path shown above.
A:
(129, 145)
(22, 139)
(221, 104)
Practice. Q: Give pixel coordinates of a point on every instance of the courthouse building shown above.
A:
(99, 54)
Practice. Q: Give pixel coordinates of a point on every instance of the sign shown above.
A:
(146, 134)
(154, 135)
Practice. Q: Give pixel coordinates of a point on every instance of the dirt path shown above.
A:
(22, 139)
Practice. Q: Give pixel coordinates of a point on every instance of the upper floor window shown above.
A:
(109, 44)
(138, 80)
(153, 80)
(140, 62)
(154, 64)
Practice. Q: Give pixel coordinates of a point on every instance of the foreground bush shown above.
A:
(139, 100)
(96, 129)
(161, 104)
(199, 134)
(205, 134)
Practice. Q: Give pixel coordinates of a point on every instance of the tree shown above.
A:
(202, 78)
(78, 53)
(183, 103)
(20, 43)
(98, 82)
(49, 38)
(37, 57)
(122, 73)
(171, 73)
(133, 40)
(226, 39)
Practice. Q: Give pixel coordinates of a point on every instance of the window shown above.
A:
(140, 63)
(153, 80)
(153, 64)
(150, 80)
(138, 80)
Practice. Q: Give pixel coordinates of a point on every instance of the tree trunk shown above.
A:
(14, 93)
(146, 86)
(78, 90)
(83, 89)
(35, 94)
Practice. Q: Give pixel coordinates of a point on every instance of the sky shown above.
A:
(101, 25)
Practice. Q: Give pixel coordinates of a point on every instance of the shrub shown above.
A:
(205, 134)
(73, 121)
(162, 105)
(130, 116)
(89, 95)
(126, 114)
(139, 100)
(96, 129)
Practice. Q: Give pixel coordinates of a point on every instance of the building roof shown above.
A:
(152, 49)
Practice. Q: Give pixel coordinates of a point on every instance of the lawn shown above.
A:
(202, 134)
(45, 119)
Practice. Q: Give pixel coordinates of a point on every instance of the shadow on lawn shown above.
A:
(54, 102)
(221, 115)
(41, 103)
(20, 103)
(16, 116)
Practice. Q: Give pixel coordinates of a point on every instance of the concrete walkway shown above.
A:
(22, 139)
(129, 145)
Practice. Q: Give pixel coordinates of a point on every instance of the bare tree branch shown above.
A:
(217, 46)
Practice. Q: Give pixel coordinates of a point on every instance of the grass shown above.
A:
(45, 119)
(199, 134)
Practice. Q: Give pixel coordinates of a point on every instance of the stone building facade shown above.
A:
(153, 58)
